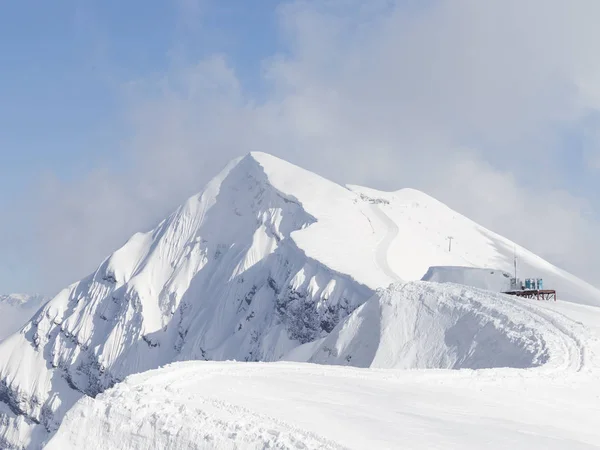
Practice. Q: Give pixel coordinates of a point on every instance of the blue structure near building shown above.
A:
(531, 288)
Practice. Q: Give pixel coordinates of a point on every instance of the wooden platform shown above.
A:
(544, 294)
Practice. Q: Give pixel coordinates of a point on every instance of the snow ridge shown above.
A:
(424, 325)
(221, 278)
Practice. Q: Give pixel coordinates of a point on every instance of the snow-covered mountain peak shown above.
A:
(266, 258)
(234, 273)
(416, 197)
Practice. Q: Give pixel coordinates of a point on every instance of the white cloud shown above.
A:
(383, 94)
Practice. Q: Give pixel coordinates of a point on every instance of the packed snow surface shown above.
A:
(540, 389)
(264, 264)
(220, 405)
(422, 226)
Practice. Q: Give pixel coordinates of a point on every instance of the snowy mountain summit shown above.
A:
(267, 258)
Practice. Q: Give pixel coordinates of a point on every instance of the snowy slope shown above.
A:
(539, 389)
(268, 259)
(207, 405)
(423, 325)
(224, 277)
(16, 310)
(422, 225)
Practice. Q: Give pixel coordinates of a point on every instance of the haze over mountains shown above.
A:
(271, 262)
(16, 310)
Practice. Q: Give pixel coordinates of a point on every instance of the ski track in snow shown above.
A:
(383, 247)
(567, 330)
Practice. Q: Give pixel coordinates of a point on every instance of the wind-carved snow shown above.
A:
(270, 261)
(421, 325)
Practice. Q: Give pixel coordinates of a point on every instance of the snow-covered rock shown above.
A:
(267, 258)
(16, 310)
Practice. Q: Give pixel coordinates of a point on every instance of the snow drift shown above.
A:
(266, 259)
(421, 325)
(229, 405)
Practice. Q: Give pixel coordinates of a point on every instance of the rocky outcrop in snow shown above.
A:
(221, 278)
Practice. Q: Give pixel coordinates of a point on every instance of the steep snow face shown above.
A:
(420, 325)
(16, 310)
(489, 279)
(221, 278)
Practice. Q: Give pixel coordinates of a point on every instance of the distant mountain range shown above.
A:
(16, 310)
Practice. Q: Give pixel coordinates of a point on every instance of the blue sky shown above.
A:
(63, 65)
(111, 113)
(63, 62)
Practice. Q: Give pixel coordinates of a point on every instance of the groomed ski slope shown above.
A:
(550, 399)
(421, 226)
